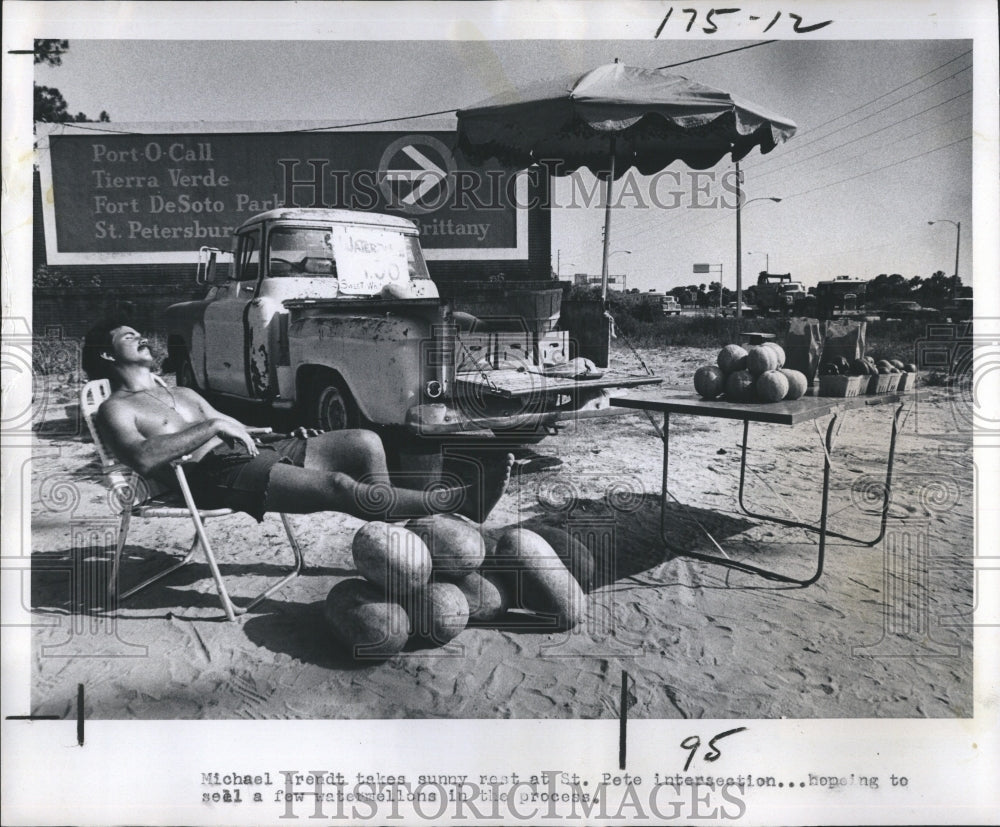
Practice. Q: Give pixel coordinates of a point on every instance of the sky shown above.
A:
(883, 143)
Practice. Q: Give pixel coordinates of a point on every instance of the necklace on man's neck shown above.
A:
(172, 404)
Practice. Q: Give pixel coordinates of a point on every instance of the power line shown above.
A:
(861, 137)
(891, 91)
(658, 221)
(380, 121)
(717, 54)
(697, 228)
(78, 125)
(701, 227)
(872, 115)
(893, 242)
(878, 169)
(921, 132)
(661, 222)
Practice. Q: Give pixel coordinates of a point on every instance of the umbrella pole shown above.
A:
(607, 225)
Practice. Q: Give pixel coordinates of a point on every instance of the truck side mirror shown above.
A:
(207, 260)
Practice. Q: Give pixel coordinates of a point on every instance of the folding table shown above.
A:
(806, 409)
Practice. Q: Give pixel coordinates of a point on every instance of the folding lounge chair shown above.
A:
(141, 498)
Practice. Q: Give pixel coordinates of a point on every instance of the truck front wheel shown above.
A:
(332, 408)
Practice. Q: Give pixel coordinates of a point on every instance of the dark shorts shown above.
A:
(230, 478)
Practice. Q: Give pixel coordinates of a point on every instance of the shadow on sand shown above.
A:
(623, 544)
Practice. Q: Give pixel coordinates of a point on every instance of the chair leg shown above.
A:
(119, 546)
(164, 573)
(199, 527)
(296, 570)
(201, 539)
(227, 603)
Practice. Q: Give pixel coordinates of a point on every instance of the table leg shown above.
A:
(767, 574)
(664, 495)
(886, 497)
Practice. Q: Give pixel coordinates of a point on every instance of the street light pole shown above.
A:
(767, 259)
(739, 237)
(958, 242)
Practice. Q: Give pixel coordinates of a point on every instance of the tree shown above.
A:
(50, 51)
(884, 288)
(936, 290)
(50, 105)
(714, 292)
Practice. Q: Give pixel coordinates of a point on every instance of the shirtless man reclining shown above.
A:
(148, 425)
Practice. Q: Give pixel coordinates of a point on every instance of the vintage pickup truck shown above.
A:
(332, 314)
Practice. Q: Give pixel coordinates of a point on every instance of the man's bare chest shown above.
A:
(157, 412)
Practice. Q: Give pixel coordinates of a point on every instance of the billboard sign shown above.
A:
(157, 196)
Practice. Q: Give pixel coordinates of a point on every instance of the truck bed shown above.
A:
(512, 383)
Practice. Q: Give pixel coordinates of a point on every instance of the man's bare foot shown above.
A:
(482, 496)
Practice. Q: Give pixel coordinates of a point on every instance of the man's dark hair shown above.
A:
(97, 342)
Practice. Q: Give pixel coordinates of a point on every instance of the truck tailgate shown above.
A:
(511, 383)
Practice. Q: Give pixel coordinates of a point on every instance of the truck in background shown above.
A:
(670, 305)
(792, 295)
(842, 296)
(768, 293)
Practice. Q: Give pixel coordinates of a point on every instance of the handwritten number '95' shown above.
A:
(692, 742)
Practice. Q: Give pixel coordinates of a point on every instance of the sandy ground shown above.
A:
(881, 634)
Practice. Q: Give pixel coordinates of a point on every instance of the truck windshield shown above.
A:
(294, 251)
(301, 251)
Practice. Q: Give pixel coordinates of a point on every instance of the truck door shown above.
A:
(225, 361)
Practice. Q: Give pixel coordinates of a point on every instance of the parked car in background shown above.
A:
(958, 310)
(730, 310)
(907, 310)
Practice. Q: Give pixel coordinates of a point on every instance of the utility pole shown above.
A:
(958, 243)
(739, 247)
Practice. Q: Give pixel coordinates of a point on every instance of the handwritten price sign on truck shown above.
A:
(368, 259)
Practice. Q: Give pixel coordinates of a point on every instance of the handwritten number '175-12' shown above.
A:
(711, 27)
(692, 742)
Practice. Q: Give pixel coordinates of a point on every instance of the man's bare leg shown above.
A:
(485, 491)
(357, 453)
(295, 490)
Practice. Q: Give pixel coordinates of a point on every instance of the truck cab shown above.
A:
(670, 305)
(769, 293)
(333, 314)
(791, 293)
(842, 296)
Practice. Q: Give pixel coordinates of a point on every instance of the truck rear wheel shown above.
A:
(332, 408)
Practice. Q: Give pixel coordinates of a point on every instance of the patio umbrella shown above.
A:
(615, 117)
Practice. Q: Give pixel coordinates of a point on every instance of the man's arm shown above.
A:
(206, 409)
(211, 413)
(146, 454)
